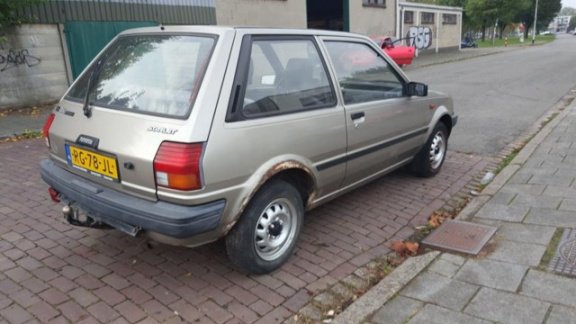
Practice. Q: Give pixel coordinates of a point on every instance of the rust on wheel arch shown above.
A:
(272, 172)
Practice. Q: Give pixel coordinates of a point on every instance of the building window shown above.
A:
(427, 18)
(374, 3)
(408, 17)
(449, 19)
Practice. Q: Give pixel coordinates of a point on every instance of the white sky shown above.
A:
(569, 3)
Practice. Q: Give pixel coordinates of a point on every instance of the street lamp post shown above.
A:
(535, 23)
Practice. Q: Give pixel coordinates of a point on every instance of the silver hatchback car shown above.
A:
(190, 134)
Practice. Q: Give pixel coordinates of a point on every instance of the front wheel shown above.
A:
(429, 160)
(265, 236)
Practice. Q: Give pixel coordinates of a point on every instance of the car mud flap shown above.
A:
(78, 217)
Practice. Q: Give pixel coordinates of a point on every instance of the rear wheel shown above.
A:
(429, 160)
(265, 236)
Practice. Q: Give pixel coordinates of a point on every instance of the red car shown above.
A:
(401, 54)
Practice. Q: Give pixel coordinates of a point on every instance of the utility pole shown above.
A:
(535, 22)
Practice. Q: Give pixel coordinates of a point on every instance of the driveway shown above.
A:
(52, 271)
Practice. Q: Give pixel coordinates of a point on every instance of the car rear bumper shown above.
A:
(121, 210)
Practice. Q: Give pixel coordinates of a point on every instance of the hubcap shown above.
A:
(437, 150)
(275, 229)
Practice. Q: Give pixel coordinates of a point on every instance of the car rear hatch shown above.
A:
(141, 93)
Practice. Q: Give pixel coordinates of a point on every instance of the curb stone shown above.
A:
(378, 295)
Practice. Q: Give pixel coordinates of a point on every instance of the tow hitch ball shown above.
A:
(78, 217)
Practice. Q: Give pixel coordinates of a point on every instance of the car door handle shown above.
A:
(357, 115)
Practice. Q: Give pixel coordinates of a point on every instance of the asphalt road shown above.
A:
(499, 96)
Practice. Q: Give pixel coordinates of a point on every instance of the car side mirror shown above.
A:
(416, 89)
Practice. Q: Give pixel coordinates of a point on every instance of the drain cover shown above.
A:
(460, 236)
(564, 261)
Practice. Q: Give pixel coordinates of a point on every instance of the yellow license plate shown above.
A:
(95, 163)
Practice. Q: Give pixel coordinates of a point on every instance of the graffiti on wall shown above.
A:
(14, 58)
(419, 37)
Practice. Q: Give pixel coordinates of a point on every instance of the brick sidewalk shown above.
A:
(52, 271)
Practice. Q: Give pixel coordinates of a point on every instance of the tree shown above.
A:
(9, 14)
(568, 11)
(547, 10)
(572, 24)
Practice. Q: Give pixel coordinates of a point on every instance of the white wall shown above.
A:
(32, 69)
(372, 21)
(266, 13)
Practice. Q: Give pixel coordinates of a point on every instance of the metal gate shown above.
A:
(86, 38)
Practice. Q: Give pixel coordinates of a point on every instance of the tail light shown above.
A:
(177, 165)
(46, 128)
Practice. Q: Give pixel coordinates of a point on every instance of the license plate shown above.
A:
(92, 162)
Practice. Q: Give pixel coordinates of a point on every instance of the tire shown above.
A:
(266, 234)
(429, 160)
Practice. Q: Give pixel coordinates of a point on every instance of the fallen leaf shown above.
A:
(399, 247)
(411, 247)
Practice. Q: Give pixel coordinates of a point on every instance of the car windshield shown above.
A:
(149, 74)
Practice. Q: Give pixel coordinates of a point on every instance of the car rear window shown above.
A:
(149, 74)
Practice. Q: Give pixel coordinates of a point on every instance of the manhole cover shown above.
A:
(564, 260)
(460, 236)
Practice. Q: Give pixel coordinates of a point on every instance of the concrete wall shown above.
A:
(444, 36)
(372, 21)
(268, 13)
(32, 69)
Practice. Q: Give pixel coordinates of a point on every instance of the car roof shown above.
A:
(211, 29)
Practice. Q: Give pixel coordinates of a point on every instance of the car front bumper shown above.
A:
(128, 213)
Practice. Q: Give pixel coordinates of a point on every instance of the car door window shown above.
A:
(363, 74)
(285, 75)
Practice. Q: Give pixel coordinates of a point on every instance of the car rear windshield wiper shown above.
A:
(91, 81)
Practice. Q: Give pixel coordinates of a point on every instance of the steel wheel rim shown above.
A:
(437, 150)
(275, 229)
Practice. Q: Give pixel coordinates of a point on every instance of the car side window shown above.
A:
(363, 75)
(285, 75)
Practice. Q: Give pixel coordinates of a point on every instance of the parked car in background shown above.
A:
(237, 138)
(402, 55)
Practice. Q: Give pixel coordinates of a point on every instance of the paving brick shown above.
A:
(433, 288)
(561, 315)
(24, 298)
(397, 311)
(89, 282)
(261, 307)
(186, 312)
(35, 285)
(73, 312)
(215, 312)
(158, 311)
(432, 314)
(116, 281)
(518, 253)
(242, 312)
(549, 287)
(109, 295)
(163, 295)
(136, 295)
(43, 311)
(15, 314)
(102, 312)
(83, 297)
(505, 307)
(493, 274)
(278, 315)
(130, 311)
(63, 284)
(53, 296)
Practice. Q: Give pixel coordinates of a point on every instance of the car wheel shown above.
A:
(429, 160)
(265, 236)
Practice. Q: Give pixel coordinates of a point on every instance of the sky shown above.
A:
(569, 3)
